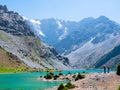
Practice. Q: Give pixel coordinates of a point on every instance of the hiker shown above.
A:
(108, 69)
(104, 69)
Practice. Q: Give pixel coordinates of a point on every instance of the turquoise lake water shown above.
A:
(29, 80)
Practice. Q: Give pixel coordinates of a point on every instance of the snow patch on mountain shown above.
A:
(35, 21)
(99, 25)
(59, 24)
(64, 34)
(35, 26)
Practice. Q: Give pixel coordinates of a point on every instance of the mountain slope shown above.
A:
(87, 55)
(10, 62)
(18, 38)
(65, 36)
(110, 58)
(83, 42)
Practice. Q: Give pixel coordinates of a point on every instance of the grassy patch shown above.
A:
(9, 70)
(11, 63)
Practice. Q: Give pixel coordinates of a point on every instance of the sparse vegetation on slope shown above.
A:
(11, 63)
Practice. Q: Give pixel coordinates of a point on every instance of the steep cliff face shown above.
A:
(17, 37)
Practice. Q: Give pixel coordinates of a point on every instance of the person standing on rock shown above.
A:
(104, 69)
(108, 69)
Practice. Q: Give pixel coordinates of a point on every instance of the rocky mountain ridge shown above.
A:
(17, 37)
(83, 42)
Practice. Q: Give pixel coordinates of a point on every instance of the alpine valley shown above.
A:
(58, 44)
(89, 43)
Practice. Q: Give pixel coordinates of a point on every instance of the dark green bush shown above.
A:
(74, 76)
(67, 78)
(79, 76)
(51, 73)
(69, 85)
(55, 77)
(69, 73)
(62, 87)
(118, 69)
(49, 76)
(66, 87)
(60, 74)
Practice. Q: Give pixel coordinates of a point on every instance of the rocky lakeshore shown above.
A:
(96, 81)
(61, 77)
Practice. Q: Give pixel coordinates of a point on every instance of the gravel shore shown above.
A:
(97, 81)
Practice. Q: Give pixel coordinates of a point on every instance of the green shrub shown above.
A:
(69, 73)
(49, 76)
(74, 76)
(60, 74)
(62, 87)
(79, 76)
(66, 87)
(69, 85)
(51, 73)
(55, 77)
(67, 78)
(118, 69)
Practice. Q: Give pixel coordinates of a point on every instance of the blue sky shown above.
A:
(73, 10)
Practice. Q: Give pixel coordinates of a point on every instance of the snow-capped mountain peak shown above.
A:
(85, 41)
